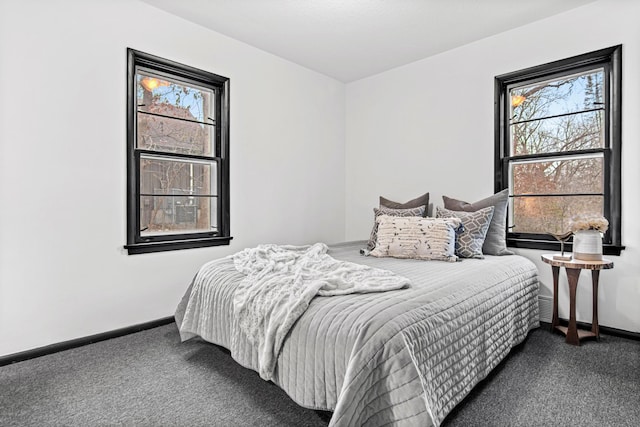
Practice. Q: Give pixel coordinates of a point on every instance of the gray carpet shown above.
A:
(546, 382)
(151, 379)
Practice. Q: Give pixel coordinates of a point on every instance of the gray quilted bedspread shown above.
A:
(404, 357)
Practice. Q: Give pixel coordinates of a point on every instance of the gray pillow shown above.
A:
(469, 242)
(373, 238)
(495, 243)
(414, 203)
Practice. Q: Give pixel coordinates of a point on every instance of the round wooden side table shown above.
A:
(573, 268)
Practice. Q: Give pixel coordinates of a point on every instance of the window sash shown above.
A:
(541, 202)
(215, 190)
(203, 130)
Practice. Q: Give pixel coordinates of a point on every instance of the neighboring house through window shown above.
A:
(178, 156)
(558, 147)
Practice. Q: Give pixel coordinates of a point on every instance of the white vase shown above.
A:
(587, 245)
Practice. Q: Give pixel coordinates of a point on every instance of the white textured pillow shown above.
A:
(417, 238)
(373, 238)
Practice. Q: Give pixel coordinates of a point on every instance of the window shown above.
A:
(178, 156)
(558, 147)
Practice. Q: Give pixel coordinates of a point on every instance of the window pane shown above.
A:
(158, 94)
(551, 214)
(569, 94)
(173, 116)
(565, 133)
(213, 213)
(174, 136)
(169, 214)
(176, 176)
(567, 175)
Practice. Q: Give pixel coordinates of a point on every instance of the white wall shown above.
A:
(428, 126)
(63, 271)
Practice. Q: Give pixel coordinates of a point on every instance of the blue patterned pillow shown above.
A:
(469, 242)
(495, 243)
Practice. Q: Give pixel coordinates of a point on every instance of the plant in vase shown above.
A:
(587, 237)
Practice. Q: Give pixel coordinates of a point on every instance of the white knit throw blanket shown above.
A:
(280, 283)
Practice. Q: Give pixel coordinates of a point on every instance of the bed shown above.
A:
(401, 357)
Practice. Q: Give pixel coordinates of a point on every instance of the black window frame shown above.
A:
(610, 59)
(136, 243)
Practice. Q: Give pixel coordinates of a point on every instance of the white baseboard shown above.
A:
(545, 308)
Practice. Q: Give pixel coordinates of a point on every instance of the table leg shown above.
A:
(595, 274)
(572, 331)
(554, 321)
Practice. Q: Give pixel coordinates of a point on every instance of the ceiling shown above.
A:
(352, 39)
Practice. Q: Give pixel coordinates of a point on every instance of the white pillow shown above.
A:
(417, 238)
(419, 211)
